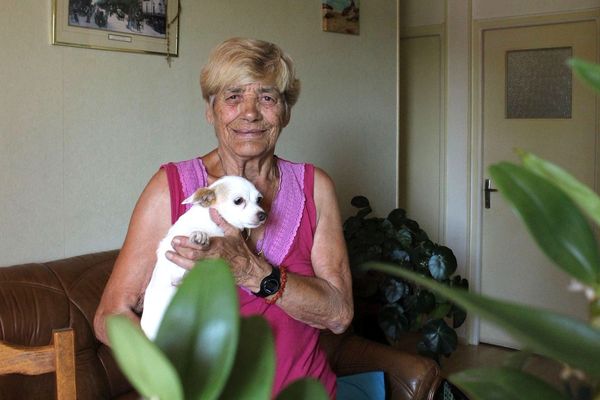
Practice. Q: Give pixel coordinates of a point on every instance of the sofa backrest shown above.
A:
(37, 298)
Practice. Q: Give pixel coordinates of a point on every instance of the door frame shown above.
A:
(477, 171)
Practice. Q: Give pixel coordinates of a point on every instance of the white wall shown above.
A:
(81, 131)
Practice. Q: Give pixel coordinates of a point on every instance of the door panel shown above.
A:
(421, 184)
(513, 268)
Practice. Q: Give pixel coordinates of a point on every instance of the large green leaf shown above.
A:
(556, 223)
(438, 338)
(199, 332)
(586, 198)
(588, 72)
(503, 384)
(254, 368)
(308, 389)
(146, 367)
(550, 334)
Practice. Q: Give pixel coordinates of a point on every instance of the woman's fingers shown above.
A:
(186, 252)
(229, 230)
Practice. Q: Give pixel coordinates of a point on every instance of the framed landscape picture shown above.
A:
(341, 16)
(141, 26)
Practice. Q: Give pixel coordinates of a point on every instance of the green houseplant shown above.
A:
(557, 209)
(204, 349)
(387, 307)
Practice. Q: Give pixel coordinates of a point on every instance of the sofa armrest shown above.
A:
(408, 376)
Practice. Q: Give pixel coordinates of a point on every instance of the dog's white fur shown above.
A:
(237, 201)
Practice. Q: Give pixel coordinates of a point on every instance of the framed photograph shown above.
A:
(140, 26)
(341, 16)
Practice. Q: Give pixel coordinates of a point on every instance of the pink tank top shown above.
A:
(288, 241)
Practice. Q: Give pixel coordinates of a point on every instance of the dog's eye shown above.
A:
(238, 201)
(259, 199)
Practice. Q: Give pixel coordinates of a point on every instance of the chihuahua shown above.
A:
(237, 201)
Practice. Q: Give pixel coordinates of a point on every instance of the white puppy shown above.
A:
(237, 201)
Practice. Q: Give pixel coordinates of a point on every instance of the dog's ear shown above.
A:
(203, 196)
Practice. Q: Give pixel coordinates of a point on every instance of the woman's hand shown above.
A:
(247, 268)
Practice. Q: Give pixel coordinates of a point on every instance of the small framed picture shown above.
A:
(140, 26)
(341, 16)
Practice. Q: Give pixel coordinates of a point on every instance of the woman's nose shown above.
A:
(249, 108)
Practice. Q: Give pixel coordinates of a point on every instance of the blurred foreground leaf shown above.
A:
(304, 389)
(255, 349)
(581, 194)
(555, 222)
(147, 368)
(204, 313)
(503, 384)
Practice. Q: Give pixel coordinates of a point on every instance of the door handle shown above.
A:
(487, 189)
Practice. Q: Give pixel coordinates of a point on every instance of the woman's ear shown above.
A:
(287, 113)
(209, 112)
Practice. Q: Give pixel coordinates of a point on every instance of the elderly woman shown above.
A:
(250, 87)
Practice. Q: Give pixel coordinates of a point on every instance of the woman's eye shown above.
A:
(269, 99)
(238, 201)
(233, 98)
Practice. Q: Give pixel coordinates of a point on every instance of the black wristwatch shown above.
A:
(270, 284)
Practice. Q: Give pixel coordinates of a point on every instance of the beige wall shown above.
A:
(81, 131)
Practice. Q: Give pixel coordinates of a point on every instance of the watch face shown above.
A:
(270, 286)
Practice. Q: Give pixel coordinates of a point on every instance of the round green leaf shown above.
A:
(146, 367)
(394, 289)
(442, 263)
(397, 217)
(438, 337)
(360, 202)
(392, 321)
(425, 302)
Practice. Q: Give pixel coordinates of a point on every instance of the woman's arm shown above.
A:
(133, 268)
(325, 300)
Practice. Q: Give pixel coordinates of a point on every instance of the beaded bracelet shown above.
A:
(282, 280)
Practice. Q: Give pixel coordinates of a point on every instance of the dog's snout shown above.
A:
(262, 216)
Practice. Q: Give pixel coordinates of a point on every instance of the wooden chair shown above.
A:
(58, 357)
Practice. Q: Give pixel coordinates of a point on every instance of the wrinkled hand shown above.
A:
(246, 267)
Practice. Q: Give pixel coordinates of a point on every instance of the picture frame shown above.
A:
(341, 16)
(138, 26)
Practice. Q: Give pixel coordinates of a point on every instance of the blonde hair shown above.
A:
(242, 61)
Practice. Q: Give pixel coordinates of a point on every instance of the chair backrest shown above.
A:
(58, 357)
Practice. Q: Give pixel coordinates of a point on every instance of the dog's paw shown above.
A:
(200, 238)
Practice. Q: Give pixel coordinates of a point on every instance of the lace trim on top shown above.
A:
(286, 211)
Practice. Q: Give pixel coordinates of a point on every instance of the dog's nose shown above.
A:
(262, 216)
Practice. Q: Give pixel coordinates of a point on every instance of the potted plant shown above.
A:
(388, 307)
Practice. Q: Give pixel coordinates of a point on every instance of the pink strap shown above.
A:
(184, 178)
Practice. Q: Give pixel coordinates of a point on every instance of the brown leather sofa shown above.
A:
(36, 298)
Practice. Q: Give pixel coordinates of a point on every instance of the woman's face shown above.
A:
(248, 119)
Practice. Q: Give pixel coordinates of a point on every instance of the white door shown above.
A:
(531, 101)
